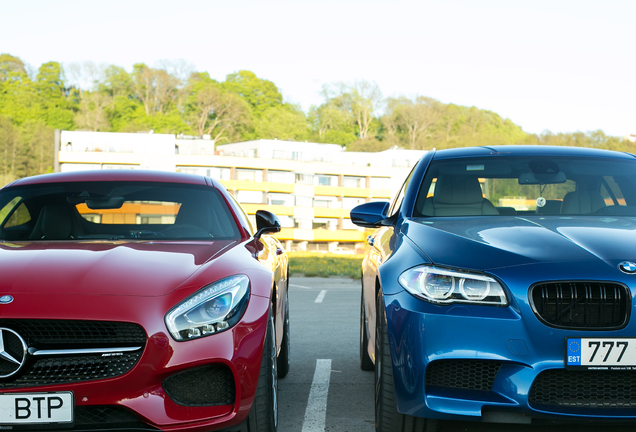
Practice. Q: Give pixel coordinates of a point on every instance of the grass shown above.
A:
(324, 264)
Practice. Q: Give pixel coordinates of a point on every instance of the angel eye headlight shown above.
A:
(447, 286)
(214, 308)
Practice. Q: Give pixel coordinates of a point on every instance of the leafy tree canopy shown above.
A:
(259, 93)
(174, 98)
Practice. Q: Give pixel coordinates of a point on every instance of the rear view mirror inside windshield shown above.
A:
(529, 178)
(105, 203)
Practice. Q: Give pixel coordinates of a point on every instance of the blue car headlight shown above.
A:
(447, 286)
(214, 308)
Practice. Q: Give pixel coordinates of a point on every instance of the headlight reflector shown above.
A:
(214, 308)
(447, 286)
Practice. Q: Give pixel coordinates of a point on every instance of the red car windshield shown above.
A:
(115, 210)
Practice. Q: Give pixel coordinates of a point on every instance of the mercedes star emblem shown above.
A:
(13, 350)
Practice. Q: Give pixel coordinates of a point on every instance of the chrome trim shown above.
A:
(36, 352)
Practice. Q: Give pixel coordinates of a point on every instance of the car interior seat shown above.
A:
(54, 223)
(192, 214)
(582, 202)
(458, 196)
(551, 207)
(193, 220)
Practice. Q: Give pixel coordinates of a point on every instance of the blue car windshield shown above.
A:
(509, 186)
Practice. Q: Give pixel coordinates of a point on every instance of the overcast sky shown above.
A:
(555, 65)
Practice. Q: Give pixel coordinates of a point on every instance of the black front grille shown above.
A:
(47, 334)
(584, 389)
(72, 335)
(463, 374)
(70, 369)
(204, 386)
(581, 305)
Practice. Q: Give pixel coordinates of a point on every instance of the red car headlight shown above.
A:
(213, 309)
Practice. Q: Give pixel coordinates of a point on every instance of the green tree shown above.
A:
(286, 122)
(216, 111)
(116, 82)
(58, 110)
(9, 66)
(331, 125)
(92, 112)
(155, 88)
(413, 121)
(260, 94)
(358, 103)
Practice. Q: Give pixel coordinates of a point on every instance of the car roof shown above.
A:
(114, 175)
(529, 150)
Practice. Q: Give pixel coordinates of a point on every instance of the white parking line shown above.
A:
(299, 286)
(316, 412)
(321, 296)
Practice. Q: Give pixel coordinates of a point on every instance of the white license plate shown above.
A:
(601, 353)
(25, 408)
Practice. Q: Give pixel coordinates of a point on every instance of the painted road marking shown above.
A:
(316, 412)
(321, 296)
(299, 286)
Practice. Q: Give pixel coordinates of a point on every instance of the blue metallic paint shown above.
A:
(517, 251)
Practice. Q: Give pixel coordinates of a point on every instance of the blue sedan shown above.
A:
(499, 287)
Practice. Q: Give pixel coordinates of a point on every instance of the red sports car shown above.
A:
(137, 300)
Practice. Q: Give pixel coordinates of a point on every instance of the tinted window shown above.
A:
(115, 210)
(507, 186)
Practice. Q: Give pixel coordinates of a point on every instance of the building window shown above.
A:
(280, 199)
(286, 222)
(305, 179)
(353, 182)
(249, 197)
(326, 202)
(325, 180)
(349, 203)
(380, 183)
(304, 201)
(280, 177)
(348, 225)
(325, 223)
(249, 175)
(218, 173)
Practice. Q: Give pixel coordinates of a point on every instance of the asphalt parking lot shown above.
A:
(325, 389)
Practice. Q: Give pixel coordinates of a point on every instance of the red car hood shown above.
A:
(103, 268)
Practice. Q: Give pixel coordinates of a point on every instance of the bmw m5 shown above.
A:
(499, 287)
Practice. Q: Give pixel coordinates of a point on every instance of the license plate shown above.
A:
(39, 408)
(600, 353)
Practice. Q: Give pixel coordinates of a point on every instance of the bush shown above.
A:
(325, 264)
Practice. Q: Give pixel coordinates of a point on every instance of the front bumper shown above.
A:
(496, 364)
(156, 394)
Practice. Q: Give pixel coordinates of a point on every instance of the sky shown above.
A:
(557, 65)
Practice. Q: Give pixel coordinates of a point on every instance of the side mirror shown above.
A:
(370, 215)
(266, 223)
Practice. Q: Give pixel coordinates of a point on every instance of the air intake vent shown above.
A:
(581, 305)
(584, 389)
(204, 386)
(463, 374)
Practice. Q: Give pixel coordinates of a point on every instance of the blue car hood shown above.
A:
(487, 243)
